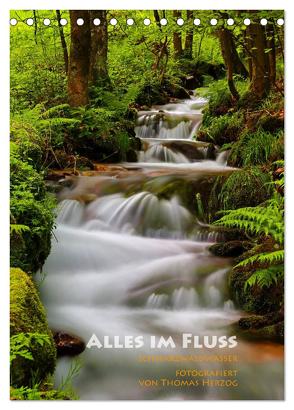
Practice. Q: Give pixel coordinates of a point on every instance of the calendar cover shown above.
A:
(147, 204)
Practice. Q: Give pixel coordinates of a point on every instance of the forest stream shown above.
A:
(128, 261)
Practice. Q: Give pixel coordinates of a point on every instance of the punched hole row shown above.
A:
(146, 22)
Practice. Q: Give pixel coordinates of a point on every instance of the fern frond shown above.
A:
(265, 277)
(18, 229)
(57, 109)
(264, 258)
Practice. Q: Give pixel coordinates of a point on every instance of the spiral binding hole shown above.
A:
(130, 22)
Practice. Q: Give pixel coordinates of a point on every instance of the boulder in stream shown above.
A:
(68, 345)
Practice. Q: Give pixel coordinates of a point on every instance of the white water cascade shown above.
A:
(111, 272)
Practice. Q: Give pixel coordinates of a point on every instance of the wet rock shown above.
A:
(68, 345)
(211, 152)
(131, 155)
(270, 326)
(230, 249)
(189, 150)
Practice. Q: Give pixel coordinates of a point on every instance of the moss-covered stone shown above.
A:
(27, 315)
(270, 326)
(243, 188)
(254, 299)
(230, 249)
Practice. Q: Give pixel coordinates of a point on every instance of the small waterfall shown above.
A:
(160, 153)
(143, 213)
(222, 158)
(171, 121)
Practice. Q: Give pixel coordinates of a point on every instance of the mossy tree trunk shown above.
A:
(78, 73)
(260, 82)
(188, 52)
(177, 37)
(99, 49)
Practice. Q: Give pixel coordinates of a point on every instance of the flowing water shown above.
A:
(126, 261)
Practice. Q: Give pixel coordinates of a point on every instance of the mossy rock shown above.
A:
(243, 188)
(270, 326)
(30, 249)
(271, 123)
(254, 299)
(27, 315)
(230, 249)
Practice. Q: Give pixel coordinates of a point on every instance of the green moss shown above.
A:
(245, 187)
(27, 315)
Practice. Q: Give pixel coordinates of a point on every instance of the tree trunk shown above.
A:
(227, 53)
(270, 44)
(80, 48)
(248, 46)
(260, 83)
(189, 36)
(99, 48)
(63, 42)
(177, 38)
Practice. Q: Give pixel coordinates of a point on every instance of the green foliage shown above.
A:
(18, 229)
(266, 277)
(31, 210)
(37, 393)
(266, 220)
(220, 99)
(224, 129)
(20, 344)
(259, 220)
(30, 335)
(255, 148)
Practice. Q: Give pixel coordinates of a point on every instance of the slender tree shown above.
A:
(177, 37)
(227, 53)
(189, 35)
(271, 51)
(62, 40)
(79, 62)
